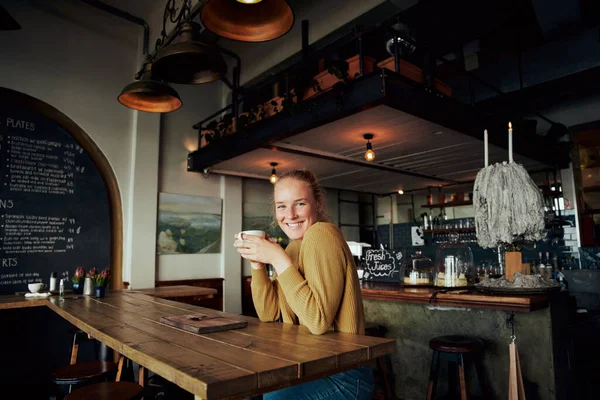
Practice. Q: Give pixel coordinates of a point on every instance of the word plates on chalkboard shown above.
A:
(382, 266)
(54, 207)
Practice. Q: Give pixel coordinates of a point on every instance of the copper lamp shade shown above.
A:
(248, 21)
(189, 62)
(149, 95)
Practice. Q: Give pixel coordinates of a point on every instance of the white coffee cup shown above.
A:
(36, 287)
(261, 234)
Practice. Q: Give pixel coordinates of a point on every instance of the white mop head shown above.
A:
(508, 206)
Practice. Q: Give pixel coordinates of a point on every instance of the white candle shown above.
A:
(510, 144)
(485, 146)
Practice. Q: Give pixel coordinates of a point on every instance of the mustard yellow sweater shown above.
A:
(320, 290)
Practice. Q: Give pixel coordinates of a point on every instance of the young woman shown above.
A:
(315, 282)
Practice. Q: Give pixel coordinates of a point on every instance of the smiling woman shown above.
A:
(316, 283)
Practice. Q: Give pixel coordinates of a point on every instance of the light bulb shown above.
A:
(249, 1)
(273, 179)
(369, 155)
(400, 191)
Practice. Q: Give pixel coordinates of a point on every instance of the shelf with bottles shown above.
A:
(449, 230)
(449, 204)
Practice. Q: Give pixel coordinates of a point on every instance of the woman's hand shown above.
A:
(261, 251)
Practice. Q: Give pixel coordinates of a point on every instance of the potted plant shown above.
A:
(414, 73)
(215, 130)
(100, 281)
(77, 280)
(338, 71)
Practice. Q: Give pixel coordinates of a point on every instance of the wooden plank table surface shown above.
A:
(178, 291)
(231, 364)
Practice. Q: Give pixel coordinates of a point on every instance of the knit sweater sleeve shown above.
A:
(316, 297)
(265, 296)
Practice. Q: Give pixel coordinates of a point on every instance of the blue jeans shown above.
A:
(356, 384)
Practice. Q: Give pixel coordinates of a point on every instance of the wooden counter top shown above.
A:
(178, 291)
(472, 299)
(13, 301)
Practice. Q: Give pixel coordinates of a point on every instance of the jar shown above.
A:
(418, 270)
(454, 265)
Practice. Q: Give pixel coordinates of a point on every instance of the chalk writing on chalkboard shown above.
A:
(383, 265)
(54, 212)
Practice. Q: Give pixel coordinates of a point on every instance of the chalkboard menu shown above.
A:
(54, 207)
(383, 266)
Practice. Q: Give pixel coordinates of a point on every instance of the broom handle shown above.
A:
(485, 147)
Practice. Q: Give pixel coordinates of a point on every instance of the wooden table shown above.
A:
(174, 292)
(259, 358)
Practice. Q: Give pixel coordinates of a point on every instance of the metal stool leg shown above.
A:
(433, 374)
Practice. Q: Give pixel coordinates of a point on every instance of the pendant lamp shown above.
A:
(189, 61)
(150, 95)
(248, 20)
(369, 154)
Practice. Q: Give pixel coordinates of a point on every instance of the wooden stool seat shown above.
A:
(462, 347)
(82, 372)
(108, 391)
(456, 344)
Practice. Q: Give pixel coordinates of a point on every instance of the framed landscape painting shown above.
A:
(188, 224)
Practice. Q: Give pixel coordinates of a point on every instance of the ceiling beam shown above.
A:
(307, 152)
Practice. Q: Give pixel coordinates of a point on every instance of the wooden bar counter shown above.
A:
(469, 298)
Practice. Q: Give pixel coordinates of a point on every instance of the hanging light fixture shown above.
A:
(189, 61)
(400, 191)
(369, 154)
(150, 95)
(248, 20)
(273, 179)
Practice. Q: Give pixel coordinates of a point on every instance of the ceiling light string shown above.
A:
(273, 178)
(369, 154)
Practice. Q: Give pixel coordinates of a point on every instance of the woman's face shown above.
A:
(295, 207)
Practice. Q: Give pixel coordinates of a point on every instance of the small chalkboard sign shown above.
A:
(383, 266)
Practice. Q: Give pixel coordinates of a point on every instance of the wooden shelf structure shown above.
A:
(458, 230)
(449, 204)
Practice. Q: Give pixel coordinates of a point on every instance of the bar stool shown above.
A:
(462, 347)
(108, 391)
(83, 373)
(381, 370)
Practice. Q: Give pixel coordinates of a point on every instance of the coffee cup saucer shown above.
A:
(38, 294)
